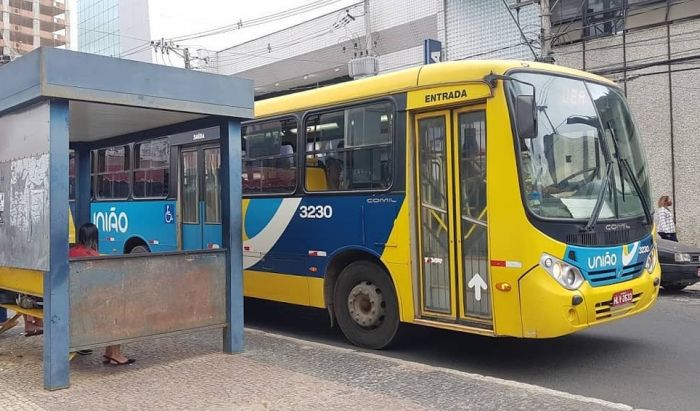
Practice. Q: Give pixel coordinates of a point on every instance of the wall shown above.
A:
(24, 188)
(484, 29)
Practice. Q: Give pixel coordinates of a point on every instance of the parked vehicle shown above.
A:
(680, 264)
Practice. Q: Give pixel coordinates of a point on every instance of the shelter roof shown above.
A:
(111, 97)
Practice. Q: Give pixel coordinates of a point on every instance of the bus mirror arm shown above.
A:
(525, 106)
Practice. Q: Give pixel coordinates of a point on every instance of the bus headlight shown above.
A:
(650, 264)
(566, 274)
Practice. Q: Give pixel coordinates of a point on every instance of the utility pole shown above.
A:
(368, 64)
(545, 33)
(368, 30)
(186, 57)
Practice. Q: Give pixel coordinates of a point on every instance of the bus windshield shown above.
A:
(586, 162)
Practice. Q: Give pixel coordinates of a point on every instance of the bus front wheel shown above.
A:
(366, 306)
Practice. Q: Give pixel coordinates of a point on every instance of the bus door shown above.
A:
(452, 228)
(200, 197)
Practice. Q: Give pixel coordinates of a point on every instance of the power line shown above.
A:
(519, 28)
(257, 21)
(235, 57)
(623, 68)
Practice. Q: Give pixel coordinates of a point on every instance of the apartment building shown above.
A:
(28, 24)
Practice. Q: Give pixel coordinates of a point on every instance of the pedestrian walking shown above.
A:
(663, 217)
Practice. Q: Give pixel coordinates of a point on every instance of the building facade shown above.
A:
(317, 52)
(651, 48)
(28, 24)
(115, 28)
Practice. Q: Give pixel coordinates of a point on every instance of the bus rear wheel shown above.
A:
(139, 249)
(366, 306)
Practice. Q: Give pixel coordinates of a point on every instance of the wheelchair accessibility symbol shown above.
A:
(169, 214)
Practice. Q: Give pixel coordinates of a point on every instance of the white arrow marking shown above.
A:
(435, 56)
(477, 283)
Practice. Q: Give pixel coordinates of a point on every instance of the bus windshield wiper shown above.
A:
(599, 201)
(593, 122)
(624, 164)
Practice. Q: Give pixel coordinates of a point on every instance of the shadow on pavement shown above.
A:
(449, 349)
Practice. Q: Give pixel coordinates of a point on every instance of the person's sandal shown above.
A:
(111, 361)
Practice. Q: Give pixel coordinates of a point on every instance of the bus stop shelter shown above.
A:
(53, 101)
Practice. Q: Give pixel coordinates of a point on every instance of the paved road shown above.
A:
(649, 361)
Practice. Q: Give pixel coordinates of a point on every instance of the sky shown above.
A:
(172, 18)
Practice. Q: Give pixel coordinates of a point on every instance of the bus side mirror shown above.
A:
(526, 116)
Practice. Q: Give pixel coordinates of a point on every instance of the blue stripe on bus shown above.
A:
(118, 221)
(324, 226)
(610, 265)
(259, 216)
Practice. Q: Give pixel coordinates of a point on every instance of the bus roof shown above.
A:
(439, 74)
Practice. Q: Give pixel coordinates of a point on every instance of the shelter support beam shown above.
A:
(56, 292)
(231, 230)
(84, 173)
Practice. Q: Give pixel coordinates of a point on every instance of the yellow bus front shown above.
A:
(533, 210)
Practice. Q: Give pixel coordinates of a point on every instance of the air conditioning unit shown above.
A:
(360, 67)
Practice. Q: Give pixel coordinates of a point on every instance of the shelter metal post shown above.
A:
(56, 291)
(231, 228)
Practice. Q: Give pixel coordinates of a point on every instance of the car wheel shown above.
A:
(366, 305)
(673, 287)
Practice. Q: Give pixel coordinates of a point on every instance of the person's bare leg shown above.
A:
(32, 325)
(115, 352)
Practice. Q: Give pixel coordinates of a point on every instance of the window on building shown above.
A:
(350, 149)
(269, 162)
(151, 168)
(604, 18)
(111, 173)
(598, 18)
(567, 10)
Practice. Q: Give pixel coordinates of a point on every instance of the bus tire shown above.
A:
(366, 306)
(139, 249)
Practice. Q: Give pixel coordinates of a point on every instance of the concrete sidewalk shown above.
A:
(275, 372)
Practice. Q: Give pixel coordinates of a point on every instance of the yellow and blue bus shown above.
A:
(497, 197)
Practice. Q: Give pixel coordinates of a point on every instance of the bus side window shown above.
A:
(151, 168)
(111, 174)
(269, 160)
(354, 145)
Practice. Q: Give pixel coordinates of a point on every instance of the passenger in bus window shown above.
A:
(87, 247)
(334, 168)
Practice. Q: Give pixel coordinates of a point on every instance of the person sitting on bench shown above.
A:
(87, 247)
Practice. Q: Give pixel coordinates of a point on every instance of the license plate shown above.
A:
(623, 297)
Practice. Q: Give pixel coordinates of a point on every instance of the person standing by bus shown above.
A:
(665, 225)
(87, 247)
